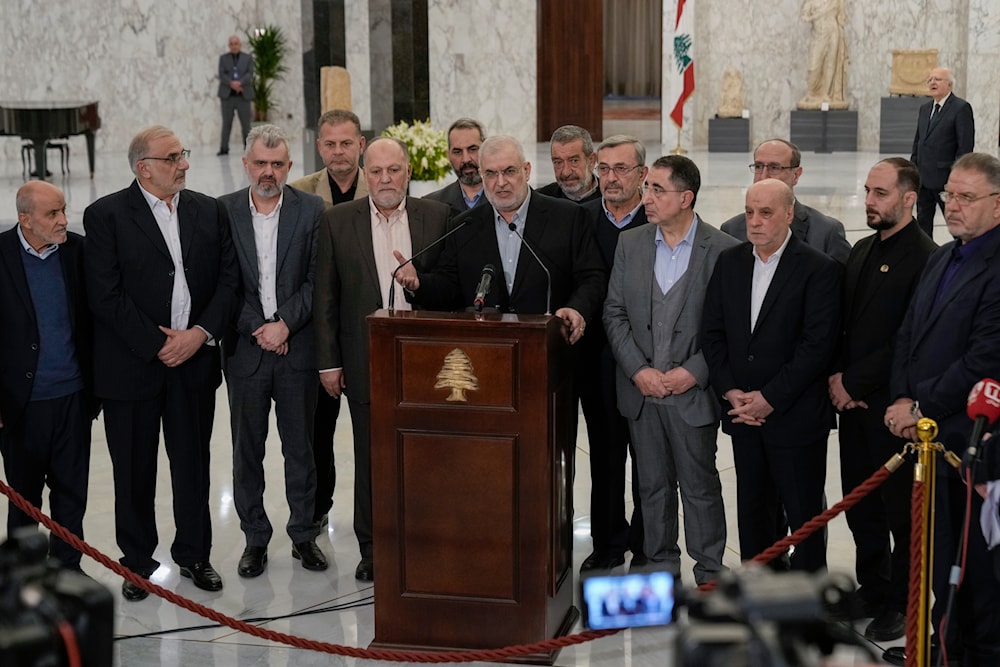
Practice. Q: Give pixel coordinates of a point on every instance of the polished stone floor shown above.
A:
(341, 608)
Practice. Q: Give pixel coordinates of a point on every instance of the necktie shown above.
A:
(935, 112)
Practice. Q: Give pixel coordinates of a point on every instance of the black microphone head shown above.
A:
(511, 226)
(490, 270)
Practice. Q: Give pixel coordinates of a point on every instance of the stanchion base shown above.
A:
(897, 655)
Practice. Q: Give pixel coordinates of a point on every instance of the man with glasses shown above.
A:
(622, 166)
(465, 136)
(162, 282)
(653, 318)
(273, 353)
(573, 160)
(949, 340)
(780, 159)
(555, 230)
(946, 130)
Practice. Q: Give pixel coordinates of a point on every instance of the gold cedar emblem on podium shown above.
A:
(457, 374)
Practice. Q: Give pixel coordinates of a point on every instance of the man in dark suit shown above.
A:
(881, 275)
(273, 354)
(555, 230)
(622, 165)
(162, 281)
(653, 317)
(354, 268)
(946, 130)
(949, 340)
(465, 136)
(769, 333)
(780, 159)
(46, 379)
(573, 160)
(235, 91)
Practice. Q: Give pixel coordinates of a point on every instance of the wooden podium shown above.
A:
(472, 467)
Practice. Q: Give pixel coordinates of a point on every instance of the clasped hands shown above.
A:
(272, 337)
(901, 419)
(660, 384)
(839, 396)
(181, 344)
(749, 407)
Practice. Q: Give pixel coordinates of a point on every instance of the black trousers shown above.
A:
(324, 428)
(50, 445)
(361, 417)
(927, 200)
(882, 569)
(186, 409)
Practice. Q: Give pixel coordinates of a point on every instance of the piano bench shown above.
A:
(27, 154)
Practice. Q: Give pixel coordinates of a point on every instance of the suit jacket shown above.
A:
(944, 348)
(935, 148)
(871, 318)
(813, 228)
(553, 190)
(558, 232)
(130, 280)
(628, 319)
(244, 67)
(451, 195)
(318, 183)
(298, 221)
(789, 354)
(347, 287)
(19, 334)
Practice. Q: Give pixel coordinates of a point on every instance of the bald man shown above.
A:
(769, 331)
(46, 397)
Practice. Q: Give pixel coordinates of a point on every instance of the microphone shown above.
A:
(483, 288)
(392, 284)
(982, 406)
(548, 276)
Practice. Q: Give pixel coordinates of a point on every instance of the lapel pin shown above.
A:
(884, 268)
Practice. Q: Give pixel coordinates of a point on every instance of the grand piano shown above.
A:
(40, 121)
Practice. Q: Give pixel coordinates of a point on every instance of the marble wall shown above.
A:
(358, 58)
(146, 62)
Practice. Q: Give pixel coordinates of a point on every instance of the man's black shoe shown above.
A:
(252, 562)
(203, 575)
(600, 561)
(133, 593)
(310, 555)
(886, 626)
(638, 560)
(365, 570)
(226, 152)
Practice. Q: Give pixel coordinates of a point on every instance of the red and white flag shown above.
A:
(682, 70)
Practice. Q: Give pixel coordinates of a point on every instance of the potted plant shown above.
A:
(269, 49)
(428, 149)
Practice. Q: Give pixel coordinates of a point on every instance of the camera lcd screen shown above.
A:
(628, 601)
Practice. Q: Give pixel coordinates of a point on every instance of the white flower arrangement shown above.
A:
(428, 148)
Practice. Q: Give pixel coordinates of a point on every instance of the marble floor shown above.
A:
(331, 606)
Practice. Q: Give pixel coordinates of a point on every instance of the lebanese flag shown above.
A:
(682, 71)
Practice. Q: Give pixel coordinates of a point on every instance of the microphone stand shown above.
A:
(548, 285)
(392, 283)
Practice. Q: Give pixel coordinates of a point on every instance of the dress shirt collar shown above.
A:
(519, 217)
(626, 220)
(777, 254)
(153, 200)
(276, 211)
(394, 215)
(44, 254)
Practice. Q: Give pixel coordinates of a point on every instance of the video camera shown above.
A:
(50, 616)
(753, 618)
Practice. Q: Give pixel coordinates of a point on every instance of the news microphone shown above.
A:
(548, 276)
(982, 406)
(483, 288)
(392, 283)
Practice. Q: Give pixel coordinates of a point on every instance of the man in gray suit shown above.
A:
(652, 316)
(273, 354)
(465, 136)
(354, 268)
(780, 159)
(235, 91)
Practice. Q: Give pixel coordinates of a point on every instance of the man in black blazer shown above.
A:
(354, 268)
(235, 91)
(272, 354)
(162, 282)
(946, 130)
(769, 334)
(465, 136)
(881, 275)
(46, 379)
(556, 230)
(949, 340)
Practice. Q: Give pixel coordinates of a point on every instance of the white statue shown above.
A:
(827, 54)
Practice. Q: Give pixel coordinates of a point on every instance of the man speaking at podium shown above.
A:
(557, 265)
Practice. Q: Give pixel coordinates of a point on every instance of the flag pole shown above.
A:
(680, 150)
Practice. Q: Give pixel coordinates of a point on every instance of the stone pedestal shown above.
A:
(825, 131)
(728, 135)
(898, 124)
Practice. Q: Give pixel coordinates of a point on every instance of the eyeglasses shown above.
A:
(508, 173)
(758, 167)
(172, 159)
(962, 199)
(619, 169)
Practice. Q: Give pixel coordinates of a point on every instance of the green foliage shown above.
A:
(428, 148)
(269, 49)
